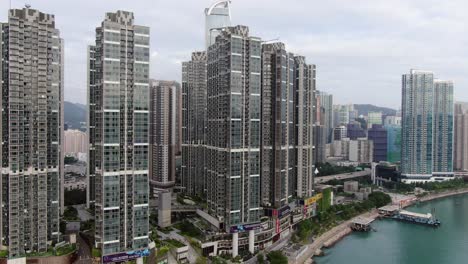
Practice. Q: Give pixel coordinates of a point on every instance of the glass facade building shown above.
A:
(217, 16)
(417, 118)
(443, 129)
(31, 70)
(118, 99)
(393, 143)
(378, 135)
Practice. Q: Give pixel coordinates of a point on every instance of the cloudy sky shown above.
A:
(360, 47)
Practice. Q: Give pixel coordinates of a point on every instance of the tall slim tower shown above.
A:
(31, 130)
(217, 16)
(443, 129)
(163, 132)
(461, 137)
(277, 150)
(118, 132)
(194, 123)
(233, 127)
(304, 101)
(417, 123)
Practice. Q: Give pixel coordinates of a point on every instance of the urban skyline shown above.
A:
(322, 37)
(236, 144)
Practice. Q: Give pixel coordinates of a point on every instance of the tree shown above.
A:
(70, 160)
(70, 213)
(380, 199)
(260, 258)
(277, 257)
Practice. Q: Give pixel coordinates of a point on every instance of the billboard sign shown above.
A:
(126, 256)
(313, 199)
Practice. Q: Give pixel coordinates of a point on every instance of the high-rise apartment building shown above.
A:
(461, 137)
(194, 123)
(443, 129)
(164, 132)
(304, 102)
(361, 150)
(217, 16)
(31, 71)
(75, 142)
(417, 122)
(233, 127)
(427, 128)
(277, 115)
(326, 113)
(119, 100)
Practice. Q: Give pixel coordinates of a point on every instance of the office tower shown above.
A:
(32, 131)
(378, 135)
(194, 123)
(341, 114)
(217, 16)
(233, 127)
(118, 133)
(304, 101)
(320, 147)
(443, 129)
(417, 122)
(374, 118)
(75, 142)
(164, 103)
(361, 150)
(277, 126)
(340, 132)
(326, 113)
(461, 137)
(392, 120)
(393, 143)
(354, 130)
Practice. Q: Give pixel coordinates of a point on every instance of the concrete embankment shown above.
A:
(439, 195)
(334, 239)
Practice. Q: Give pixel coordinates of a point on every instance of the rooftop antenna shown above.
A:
(27, 5)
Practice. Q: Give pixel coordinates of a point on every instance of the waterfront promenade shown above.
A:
(330, 237)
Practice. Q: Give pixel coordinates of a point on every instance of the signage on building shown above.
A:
(313, 199)
(284, 211)
(126, 256)
(246, 227)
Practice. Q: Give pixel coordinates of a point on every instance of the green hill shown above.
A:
(364, 109)
(74, 115)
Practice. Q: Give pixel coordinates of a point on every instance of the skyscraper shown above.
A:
(326, 113)
(164, 132)
(118, 133)
(277, 101)
(427, 128)
(32, 131)
(461, 137)
(233, 127)
(304, 102)
(378, 135)
(194, 123)
(417, 122)
(217, 16)
(443, 129)
(374, 118)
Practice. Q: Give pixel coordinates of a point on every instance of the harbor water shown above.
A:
(408, 243)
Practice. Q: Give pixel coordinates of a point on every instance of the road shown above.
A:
(343, 176)
(84, 252)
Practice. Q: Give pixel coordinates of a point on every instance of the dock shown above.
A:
(395, 212)
(361, 223)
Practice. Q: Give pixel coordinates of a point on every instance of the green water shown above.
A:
(406, 243)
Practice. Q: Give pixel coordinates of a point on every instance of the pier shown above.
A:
(361, 224)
